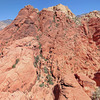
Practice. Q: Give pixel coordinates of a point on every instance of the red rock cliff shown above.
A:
(49, 55)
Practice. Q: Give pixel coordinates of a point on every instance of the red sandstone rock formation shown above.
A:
(49, 55)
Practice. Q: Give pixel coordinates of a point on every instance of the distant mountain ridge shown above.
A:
(5, 23)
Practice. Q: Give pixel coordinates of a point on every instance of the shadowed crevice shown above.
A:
(56, 92)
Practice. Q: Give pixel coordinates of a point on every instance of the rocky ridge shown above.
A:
(61, 8)
(51, 52)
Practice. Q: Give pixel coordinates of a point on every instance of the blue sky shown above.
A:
(10, 8)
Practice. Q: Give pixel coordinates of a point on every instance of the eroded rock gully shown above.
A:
(50, 55)
(56, 92)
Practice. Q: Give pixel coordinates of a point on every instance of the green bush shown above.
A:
(45, 70)
(14, 66)
(39, 45)
(41, 85)
(30, 44)
(17, 60)
(49, 79)
(38, 77)
(36, 60)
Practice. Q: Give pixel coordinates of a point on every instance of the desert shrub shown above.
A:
(54, 18)
(36, 60)
(17, 60)
(39, 45)
(41, 85)
(45, 70)
(37, 37)
(14, 66)
(49, 79)
(96, 94)
(38, 77)
(30, 44)
(43, 57)
(57, 24)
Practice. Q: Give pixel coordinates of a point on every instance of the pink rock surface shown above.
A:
(88, 85)
(24, 74)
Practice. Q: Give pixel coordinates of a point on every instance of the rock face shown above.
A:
(4, 23)
(86, 83)
(51, 52)
(92, 14)
(97, 78)
(61, 8)
(14, 70)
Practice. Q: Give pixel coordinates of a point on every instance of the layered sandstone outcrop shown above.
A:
(46, 55)
(61, 8)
